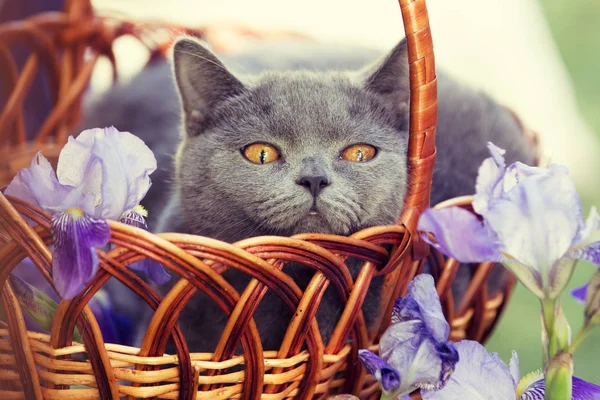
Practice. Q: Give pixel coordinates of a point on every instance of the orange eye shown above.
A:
(261, 153)
(359, 153)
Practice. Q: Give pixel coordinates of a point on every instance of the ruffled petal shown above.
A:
(515, 369)
(153, 270)
(421, 361)
(592, 224)
(530, 382)
(422, 303)
(477, 375)
(388, 378)
(459, 234)
(489, 179)
(75, 261)
(588, 240)
(536, 391)
(580, 293)
(114, 166)
(416, 342)
(39, 186)
(535, 220)
(518, 172)
(587, 249)
(582, 390)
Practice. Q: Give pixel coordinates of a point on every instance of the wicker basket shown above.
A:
(36, 365)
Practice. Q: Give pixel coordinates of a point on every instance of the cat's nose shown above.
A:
(314, 183)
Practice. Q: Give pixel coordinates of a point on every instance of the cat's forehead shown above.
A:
(320, 95)
(321, 106)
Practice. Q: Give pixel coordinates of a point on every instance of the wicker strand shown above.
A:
(23, 354)
(303, 366)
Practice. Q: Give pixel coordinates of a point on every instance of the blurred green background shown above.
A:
(575, 25)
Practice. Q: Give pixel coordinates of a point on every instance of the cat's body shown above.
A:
(309, 118)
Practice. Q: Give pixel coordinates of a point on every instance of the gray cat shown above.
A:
(301, 147)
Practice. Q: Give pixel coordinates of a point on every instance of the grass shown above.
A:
(574, 25)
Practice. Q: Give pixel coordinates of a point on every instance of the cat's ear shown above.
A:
(390, 77)
(202, 82)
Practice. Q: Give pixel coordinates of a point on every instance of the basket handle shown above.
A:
(423, 116)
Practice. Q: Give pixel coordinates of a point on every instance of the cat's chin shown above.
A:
(316, 223)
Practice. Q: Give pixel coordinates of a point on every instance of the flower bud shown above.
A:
(559, 377)
(592, 301)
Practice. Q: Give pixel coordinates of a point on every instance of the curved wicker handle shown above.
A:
(423, 115)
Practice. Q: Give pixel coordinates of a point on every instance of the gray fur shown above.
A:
(310, 116)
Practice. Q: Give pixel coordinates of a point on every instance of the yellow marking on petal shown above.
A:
(75, 212)
(529, 380)
(139, 209)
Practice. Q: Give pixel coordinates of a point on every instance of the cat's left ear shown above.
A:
(390, 77)
(202, 81)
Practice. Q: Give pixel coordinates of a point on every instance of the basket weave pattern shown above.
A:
(37, 365)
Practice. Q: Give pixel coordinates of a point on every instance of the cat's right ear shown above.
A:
(390, 78)
(202, 82)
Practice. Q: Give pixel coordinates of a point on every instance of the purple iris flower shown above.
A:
(153, 269)
(530, 219)
(481, 375)
(102, 174)
(414, 351)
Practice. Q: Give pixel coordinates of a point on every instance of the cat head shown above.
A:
(290, 152)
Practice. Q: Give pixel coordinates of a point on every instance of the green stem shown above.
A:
(579, 337)
(558, 377)
(548, 314)
(387, 396)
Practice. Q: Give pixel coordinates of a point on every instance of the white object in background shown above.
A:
(501, 46)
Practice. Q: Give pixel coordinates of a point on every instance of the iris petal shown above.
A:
(588, 241)
(534, 222)
(387, 376)
(518, 172)
(535, 391)
(115, 328)
(75, 261)
(422, 303)
(592, 224)
(580, 293)
(153, 269)
(582, 390)
(478, 375)
(459, 234)
(422, 362)
(489, 179)
(515, 369)
(416, 342)
(39, 186)
(114, 166)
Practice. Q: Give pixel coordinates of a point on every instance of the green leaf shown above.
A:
(37, 305)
